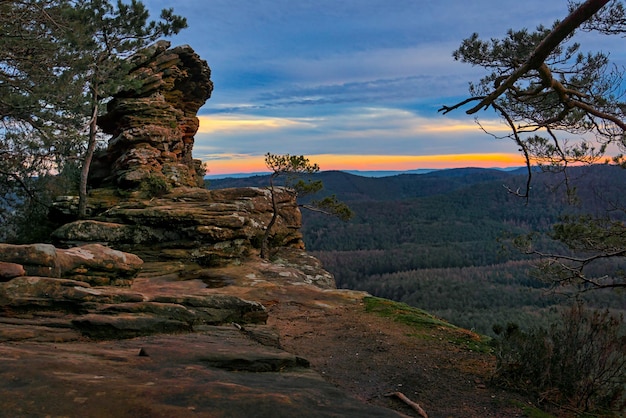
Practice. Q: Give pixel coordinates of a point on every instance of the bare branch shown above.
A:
(448, 109)
(523, 148)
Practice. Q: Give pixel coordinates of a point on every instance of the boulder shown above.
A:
(88, 263)
(10, 270)
(33, 257)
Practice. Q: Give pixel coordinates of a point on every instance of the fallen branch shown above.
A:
(409, 402)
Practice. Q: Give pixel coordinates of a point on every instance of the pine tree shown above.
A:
(292, 166)
(563, 108)
(104, 36)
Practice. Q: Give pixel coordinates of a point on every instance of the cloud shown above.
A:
(374, 91)
(363, 77)
(225, 124)
(230, 164)
(370, 130)
(350, 77)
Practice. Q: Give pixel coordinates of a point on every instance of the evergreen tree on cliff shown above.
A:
(293, 166)
(103, 37)
(61, 59)
(548, 92)
(40, 116)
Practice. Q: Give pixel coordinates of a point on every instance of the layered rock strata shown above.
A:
(147, 193)
(210, 227)
(93, 263)
(153, 123)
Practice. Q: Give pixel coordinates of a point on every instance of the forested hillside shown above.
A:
(442, 241)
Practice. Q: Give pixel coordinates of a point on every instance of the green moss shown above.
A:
(403, 313)
(424, 323)
(155, 186)
(532, 411)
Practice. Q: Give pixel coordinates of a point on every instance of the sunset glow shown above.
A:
(224, 124)
(255, 163)
(359, 88)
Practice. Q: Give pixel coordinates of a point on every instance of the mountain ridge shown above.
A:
(362, 173)
(350, 187)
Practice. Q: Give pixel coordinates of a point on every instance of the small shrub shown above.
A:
(579, 362)
(155, 186)
(201, 169)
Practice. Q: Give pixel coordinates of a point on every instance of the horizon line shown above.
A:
(357, 172)
(223, 164)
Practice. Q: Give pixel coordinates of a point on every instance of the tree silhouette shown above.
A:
(292, 167)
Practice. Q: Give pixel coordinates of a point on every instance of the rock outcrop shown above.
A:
(93, 263)
(162, 297)
(154, 123)
(178, 340)
(210, 227)
(147, 195)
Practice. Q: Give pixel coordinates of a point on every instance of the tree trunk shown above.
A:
(84, 173)
(266, 235)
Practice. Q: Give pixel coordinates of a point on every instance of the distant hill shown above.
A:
(387, 173)
(351, 187)
(362, 173)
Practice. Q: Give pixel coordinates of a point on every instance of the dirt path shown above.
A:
(369, 356)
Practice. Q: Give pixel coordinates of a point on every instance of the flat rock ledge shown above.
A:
(177, 340)
(216, 373)
(209, 227)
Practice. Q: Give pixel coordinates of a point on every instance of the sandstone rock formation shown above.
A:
(145, 196)
(153, 125)
(210, 227)
(91, 263)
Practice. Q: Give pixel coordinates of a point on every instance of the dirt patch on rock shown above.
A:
(369, 357)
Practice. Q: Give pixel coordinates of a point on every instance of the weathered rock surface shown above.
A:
(93, 263)
(104, 312)
(217, 373)
(180, 340)
(153, 125)
(210, 227)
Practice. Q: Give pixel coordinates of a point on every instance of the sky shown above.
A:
(350, 84)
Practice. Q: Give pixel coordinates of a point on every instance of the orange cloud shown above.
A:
(225, 164)
(456, 126)
(236, 124)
